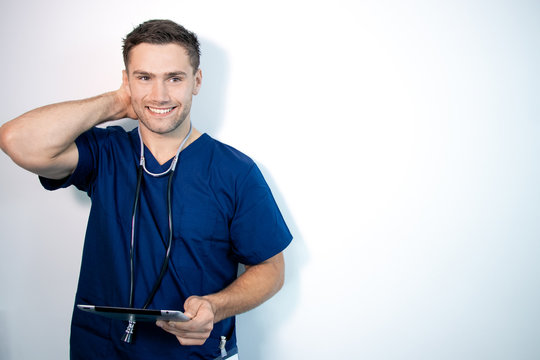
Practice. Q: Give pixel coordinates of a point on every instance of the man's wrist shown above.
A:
(115, 106)
(212, 300)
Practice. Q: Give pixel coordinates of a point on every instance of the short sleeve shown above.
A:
(84, 174)
(258, 230)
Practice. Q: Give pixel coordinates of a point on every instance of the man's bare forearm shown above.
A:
(256, 285)
(42, 140)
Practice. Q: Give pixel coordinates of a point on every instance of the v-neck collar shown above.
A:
(153, 165)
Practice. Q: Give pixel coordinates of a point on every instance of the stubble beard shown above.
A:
(172, 125)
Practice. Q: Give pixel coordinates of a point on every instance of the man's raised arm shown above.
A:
(43, 140)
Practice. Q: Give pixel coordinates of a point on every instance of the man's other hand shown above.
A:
(196, 330)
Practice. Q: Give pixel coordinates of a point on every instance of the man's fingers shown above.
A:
(186, 336)
(188, 329)
(196, 330)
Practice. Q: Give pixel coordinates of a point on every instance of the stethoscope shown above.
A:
(127, 337)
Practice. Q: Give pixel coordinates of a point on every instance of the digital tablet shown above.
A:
(134, 314)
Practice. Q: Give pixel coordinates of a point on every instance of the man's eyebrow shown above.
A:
(175, 73)
(140, 72)
(169, 74)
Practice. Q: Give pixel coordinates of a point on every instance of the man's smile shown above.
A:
(160, 111)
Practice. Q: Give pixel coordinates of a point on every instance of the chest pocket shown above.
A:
(201, 231)
(199, 236)
(196, 225)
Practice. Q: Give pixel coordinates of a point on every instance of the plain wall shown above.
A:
(400, 139)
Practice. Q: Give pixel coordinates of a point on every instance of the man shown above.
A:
(170, 220)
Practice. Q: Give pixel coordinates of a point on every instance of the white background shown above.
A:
(400, 139)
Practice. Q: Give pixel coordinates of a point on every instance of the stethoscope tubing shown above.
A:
(165, 264)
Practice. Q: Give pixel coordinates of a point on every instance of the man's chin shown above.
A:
(160, 129)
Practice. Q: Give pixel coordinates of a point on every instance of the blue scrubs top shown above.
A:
(223, 214)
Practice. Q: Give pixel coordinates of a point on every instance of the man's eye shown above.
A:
(176, 79)
(143, 78)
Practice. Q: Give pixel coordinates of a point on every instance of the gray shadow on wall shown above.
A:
(208, 109)
(258, 329)
(255, 329)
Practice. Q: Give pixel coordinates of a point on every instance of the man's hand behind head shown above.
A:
(124, 98)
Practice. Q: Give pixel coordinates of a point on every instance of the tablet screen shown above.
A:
(134, 314)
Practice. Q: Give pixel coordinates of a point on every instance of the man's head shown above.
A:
(162, 75)
(163, 32)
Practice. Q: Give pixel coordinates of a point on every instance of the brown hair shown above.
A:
(162, 32)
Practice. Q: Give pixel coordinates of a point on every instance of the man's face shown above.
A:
(161, 83)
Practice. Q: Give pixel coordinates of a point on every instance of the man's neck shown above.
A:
(164, 146)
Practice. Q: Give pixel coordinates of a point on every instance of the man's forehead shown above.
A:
(170, 57)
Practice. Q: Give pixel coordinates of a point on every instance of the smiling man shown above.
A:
(174, 212)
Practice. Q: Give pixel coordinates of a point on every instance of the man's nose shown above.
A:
(159, 92)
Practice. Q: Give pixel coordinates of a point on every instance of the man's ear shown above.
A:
(198, 81)
(125, 82)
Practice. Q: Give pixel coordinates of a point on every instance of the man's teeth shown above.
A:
(160, 111)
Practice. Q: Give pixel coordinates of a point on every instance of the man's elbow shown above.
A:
(8, 142)
(279, 284)
(280, 273)
(4, 138)
(11, 144)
